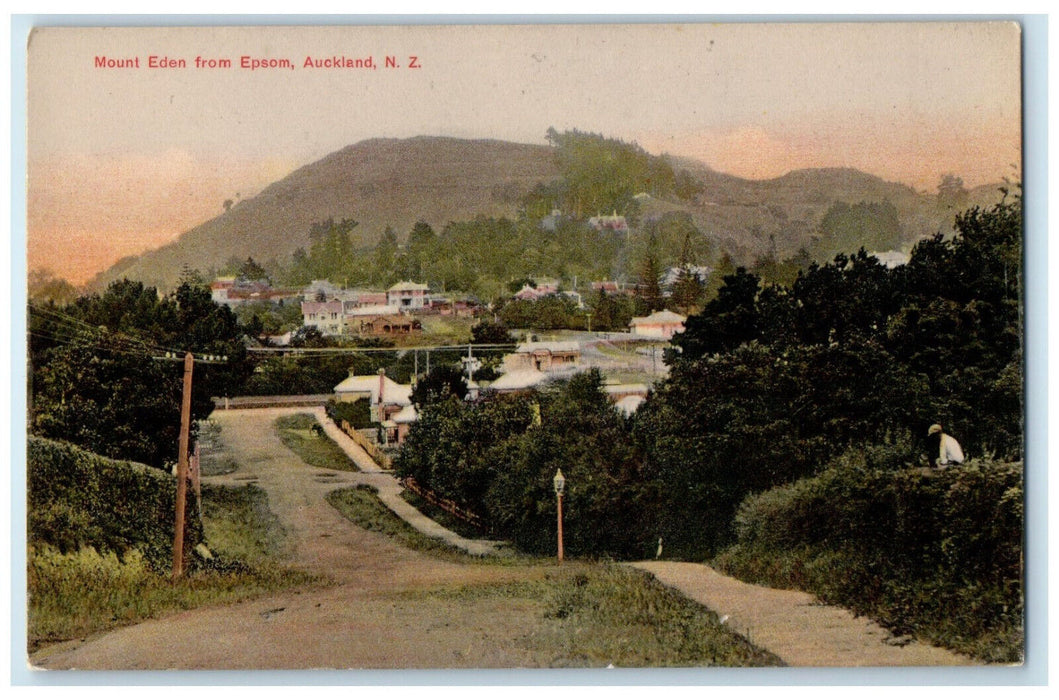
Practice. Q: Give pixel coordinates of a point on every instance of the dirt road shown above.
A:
(379, 615)
(384, 611)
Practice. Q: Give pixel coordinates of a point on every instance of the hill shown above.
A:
(396, 182)
(379, 183)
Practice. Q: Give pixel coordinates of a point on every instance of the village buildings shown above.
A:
(660, 324)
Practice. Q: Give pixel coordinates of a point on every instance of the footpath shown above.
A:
(389, 489)
(790, 624)
(794, 625)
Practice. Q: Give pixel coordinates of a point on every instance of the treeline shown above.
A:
(766, 386)
(100, 376)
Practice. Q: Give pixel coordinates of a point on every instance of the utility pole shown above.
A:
(182, 469)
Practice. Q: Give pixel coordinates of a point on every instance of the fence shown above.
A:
(449, 506)
(373, 450)
(304, 400)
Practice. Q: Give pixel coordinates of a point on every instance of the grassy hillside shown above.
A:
(379, 183)
(397, 182)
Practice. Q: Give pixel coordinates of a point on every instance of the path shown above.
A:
(382, 611)
(390, 489)
(792, 625)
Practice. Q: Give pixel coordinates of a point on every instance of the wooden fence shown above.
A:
(449, 506)
(373, 450)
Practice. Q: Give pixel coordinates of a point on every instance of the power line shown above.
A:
(359, 350)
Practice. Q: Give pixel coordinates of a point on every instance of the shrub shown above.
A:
(932, 553)
(77, 499)
(356, 413)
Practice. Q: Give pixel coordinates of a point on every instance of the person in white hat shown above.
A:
(942, 449)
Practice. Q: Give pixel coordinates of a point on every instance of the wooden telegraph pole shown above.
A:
(182, 469)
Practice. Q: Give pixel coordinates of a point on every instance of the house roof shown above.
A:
(408, 287)
(638, 389)
(553, 346)
(519, 379)
(629, 404)
(373, 310)
(309, 307)
(406, 415)
(666, 316)
(368, 385)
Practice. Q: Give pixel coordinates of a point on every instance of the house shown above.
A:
(219, 289)
(397, 324)
(614, 223)
(403, 420)
(386, 397)
(660, 324)
(544, 356)
(408, 296)
(326, 316)
(235, 291)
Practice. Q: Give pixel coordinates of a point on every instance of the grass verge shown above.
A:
(591, 615)
(584, 614)
(318, 450)
(361, 506)
(76, 594)
(442, 517)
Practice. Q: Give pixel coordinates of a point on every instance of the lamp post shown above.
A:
(560, 483)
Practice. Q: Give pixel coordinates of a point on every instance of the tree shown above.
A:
(442, 381)
(487, 332)
(650, 289)
(98, 378)
(251, 271)
(44, 286)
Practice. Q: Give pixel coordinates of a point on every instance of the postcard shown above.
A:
(525, 346)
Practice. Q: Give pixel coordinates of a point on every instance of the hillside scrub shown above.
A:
(933, 554)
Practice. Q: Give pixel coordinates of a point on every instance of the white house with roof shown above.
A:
(544, 356)
(408, 296)
(326, 316)
(386, 397)
(660, 324)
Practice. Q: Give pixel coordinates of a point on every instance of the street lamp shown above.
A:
(560, 483)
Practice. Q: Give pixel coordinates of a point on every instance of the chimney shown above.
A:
(382, 388)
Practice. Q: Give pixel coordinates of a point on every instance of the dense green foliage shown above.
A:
(766, 386)
(769, 384)
(77, 499)
(96, 377)
(934, 554)
(498, 457)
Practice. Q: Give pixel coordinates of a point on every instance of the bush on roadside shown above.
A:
(77, 499)
(937, 554)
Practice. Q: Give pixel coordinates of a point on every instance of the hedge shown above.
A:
(936, 554)
(79, 499)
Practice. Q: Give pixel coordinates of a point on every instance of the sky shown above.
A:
(122, 160)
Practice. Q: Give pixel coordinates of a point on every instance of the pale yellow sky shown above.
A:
(124, 159)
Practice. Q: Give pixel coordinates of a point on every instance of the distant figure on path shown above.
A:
(658, 554)
(942, 449)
